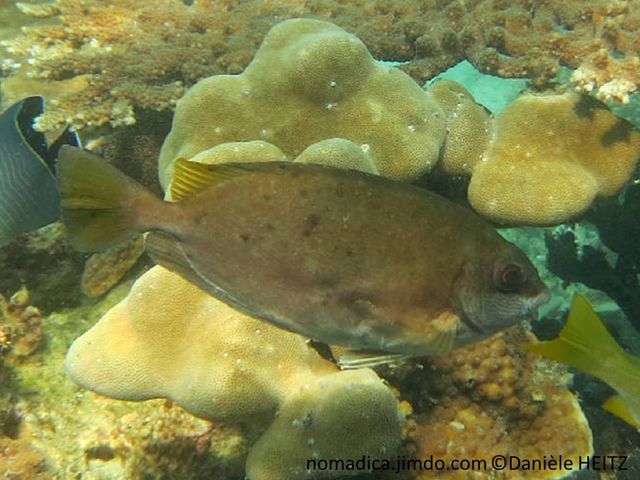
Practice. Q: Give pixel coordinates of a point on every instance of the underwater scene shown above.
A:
(319, 239)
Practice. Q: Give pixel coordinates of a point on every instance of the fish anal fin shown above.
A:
(618, 406)
(165, 250)
(190, 178)
(348, 359)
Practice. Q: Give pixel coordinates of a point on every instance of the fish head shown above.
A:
(494, 293)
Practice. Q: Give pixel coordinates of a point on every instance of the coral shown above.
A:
(550, 156)
(170, 339)
(46, 264)
(121, 55)
(20, 460)
(326, 85)
(338, 152)
(103, 270)
(468, 128)
(20, 326)
(493, 399)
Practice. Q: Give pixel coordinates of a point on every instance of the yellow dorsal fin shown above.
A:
(190, 178)
(617, 405)
(583, 342)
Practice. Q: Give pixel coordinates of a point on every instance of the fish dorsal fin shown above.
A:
(190, 178)
(617, 405)
(348, 359)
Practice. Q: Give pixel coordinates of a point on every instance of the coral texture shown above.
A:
(108, 58)
(105, 269)
(20, 326)
(170, 339)
(549, 158)
(493, 399)
(325, 84)
(540, 161)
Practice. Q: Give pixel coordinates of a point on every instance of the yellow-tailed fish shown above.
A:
(584, 343)
(339, 256)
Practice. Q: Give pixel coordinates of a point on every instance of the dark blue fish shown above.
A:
(28, 194)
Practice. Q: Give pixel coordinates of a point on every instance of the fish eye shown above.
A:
(510, 279)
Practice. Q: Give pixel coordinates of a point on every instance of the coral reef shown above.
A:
(539, 161)
(110, 58)
(19, 460)
(468, 128)
(493, 399)
(72, 433)
(46, 264)
(326, 85)
(549, 157)
(20, 326)
(103, 270)
(178, 342)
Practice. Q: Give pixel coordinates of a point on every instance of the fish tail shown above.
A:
(100, 205)
(584, 342)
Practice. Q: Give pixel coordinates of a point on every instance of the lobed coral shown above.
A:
(549, 157)
(326, 85)
(492, 399)
(529, 164)
(170, 339)
(108, 59)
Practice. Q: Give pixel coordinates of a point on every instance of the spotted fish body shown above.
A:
(340, 256)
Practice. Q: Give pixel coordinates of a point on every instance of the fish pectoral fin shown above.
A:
(349, 359)
(617, 405)
(190, 178)
(442, 342)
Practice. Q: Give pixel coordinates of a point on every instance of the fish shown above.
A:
(384, 269)
(585, 344)
(28, 193)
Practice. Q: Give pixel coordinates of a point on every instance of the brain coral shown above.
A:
(311, 81)
(170, 339)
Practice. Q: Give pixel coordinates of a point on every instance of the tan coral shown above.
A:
(312, 81)
(550, 157)
(105, 269)
(170, 339)
(468, 128)
(494, 400)
(145, 55)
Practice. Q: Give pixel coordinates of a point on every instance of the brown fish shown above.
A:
(340, 256)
